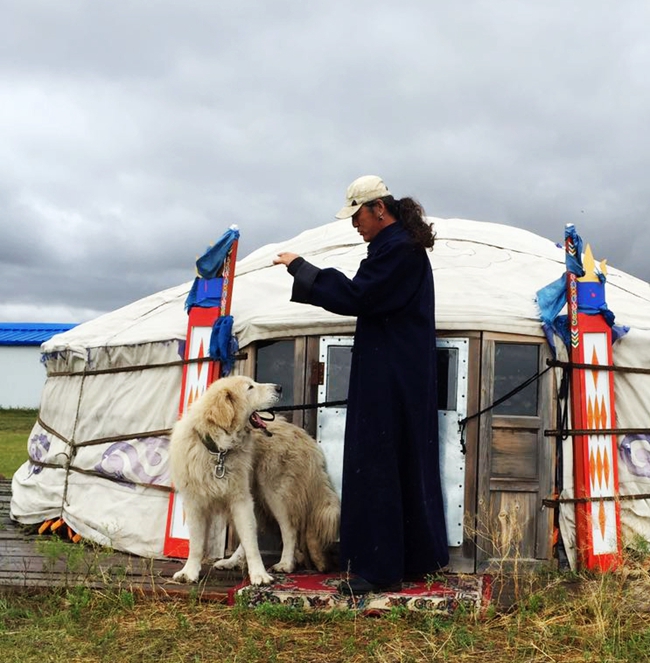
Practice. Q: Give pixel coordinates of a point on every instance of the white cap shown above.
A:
(363, 190)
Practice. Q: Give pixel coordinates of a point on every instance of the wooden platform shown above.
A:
(32, 561)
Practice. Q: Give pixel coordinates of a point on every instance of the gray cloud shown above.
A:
(133, 133)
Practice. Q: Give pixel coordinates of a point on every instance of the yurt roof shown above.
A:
(486, 277)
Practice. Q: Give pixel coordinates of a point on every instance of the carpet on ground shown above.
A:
(442, 593)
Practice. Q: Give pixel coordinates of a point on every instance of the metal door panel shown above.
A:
(335, 354)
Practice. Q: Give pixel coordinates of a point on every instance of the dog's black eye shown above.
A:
(250, 386)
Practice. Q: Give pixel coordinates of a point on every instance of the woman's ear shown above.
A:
(379, 209)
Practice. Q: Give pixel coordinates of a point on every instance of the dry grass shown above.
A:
(557, 617)
(546, 617)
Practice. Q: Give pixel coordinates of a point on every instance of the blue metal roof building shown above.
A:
(22, 374)
(30, 333)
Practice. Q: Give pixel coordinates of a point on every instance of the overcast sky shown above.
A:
(134, 132)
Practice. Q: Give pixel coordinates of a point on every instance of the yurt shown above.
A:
(99, 450)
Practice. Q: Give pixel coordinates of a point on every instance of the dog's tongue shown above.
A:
(257, 421)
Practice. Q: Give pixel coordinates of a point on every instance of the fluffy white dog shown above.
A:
(224, 457)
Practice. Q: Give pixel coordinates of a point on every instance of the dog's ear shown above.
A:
(223, 411)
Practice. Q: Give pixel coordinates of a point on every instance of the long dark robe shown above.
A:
(392, 515)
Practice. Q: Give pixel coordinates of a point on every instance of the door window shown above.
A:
(339, 359)
(275, 363)
(514, 363)
(447, 378)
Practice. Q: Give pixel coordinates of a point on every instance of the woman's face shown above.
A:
(367, 223)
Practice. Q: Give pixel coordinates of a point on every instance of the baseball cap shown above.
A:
(363, 190)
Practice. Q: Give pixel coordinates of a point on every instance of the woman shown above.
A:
(392, 515)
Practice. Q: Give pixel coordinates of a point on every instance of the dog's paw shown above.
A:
(283, 567)
(261, 578)
(229, 563)
(185, 576)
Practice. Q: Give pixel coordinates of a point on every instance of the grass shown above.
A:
(549, 616)
(569, 618)
(15, 427)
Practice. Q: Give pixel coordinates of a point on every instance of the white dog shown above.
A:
(223, 457)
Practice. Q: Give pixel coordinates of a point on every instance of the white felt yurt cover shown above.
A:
(112, 427)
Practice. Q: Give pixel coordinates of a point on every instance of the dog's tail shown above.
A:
(322, 527)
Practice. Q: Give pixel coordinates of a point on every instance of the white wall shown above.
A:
(22, 376)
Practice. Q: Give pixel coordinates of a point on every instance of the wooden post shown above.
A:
(595, 457)
(199, 372)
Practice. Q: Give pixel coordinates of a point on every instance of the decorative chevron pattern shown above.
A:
(600, 468)
(575, 339)
(599, 447)
(602, 518)
(197, 373)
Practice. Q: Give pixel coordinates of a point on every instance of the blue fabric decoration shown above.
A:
(550, 339)
(618, 331)
(561, 328)
(574, 263)
(551, 299)
(208, 267)
(209, 264)
(223, 345)
(205, 293)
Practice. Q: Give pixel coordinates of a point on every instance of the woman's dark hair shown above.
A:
(411, 214)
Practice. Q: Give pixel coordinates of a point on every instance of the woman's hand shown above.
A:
(285, 258)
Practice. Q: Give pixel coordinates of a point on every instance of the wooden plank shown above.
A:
(18, 576)
(514, 421)
(513, 525)
(455, 334)
(484, 460)
(514, 485)
(204, 593)
(299, 356)
(103, 577)
(512, 338)
(514, 453)
(8, 535)
(312, 353)
(10, 576)
(546, 463)
(246, 366)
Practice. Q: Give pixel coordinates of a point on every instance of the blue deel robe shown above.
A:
(392, 514)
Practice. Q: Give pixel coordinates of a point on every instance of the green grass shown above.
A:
(601, 619)
(15, 427)
(562, 617)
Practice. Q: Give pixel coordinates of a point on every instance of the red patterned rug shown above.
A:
(444, 594)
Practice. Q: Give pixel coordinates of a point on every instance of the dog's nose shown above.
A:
(278, 389)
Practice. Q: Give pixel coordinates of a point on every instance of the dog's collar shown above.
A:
(219, 454)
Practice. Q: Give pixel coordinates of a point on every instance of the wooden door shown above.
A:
(515, 460)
